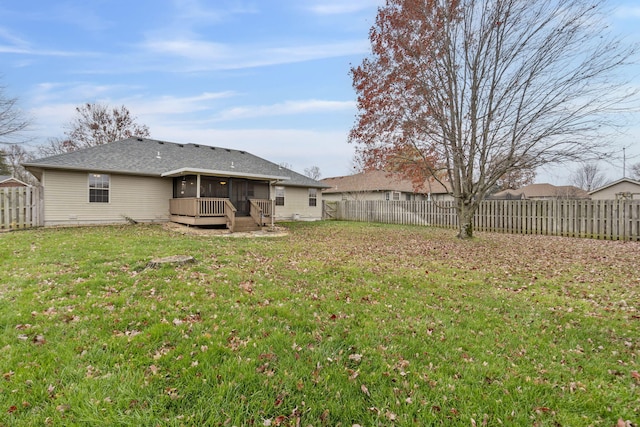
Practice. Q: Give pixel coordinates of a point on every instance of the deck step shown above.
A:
(247, 223)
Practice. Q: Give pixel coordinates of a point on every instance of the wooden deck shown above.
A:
(217, 211)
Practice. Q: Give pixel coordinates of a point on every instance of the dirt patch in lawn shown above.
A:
(224, 232)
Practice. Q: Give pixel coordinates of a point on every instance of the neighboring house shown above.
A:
(380, 185)
(9, 181)
(541, 192)
(624, 188)
(147, 180)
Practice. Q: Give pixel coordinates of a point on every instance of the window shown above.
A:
(313, 196)
(279, 196)
(98, 188)
(396, 195)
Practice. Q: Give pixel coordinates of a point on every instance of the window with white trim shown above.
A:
(279, 196)
(99, 184)
(313, 196)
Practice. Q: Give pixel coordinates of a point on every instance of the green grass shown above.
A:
(334, 324)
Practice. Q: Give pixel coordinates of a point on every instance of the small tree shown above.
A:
(15, 155)
(55, 146)
(313, 172)
(635, 171)
(4, 166)
(473, 90)
(12, 119)
(588, 177)
(515, 179)
(97, 124)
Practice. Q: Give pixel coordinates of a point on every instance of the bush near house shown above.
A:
(336, 323)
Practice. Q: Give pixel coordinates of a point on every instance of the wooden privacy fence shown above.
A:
(20, 207)
(597, 219)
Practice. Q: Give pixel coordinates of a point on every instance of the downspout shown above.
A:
(272, 198)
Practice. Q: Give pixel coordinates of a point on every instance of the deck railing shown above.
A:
(197, 207)
(230, 213)
(260, 209)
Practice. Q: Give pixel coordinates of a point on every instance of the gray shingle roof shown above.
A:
(143, 156)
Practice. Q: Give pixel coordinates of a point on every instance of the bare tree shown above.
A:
(97, 124)
(4, 165)
(635, 171)
(480, 88)
(313, 172)
(12, 119)
(15, 155)
(55, 145)
(588, 177)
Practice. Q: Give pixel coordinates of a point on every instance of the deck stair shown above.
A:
(245, 223)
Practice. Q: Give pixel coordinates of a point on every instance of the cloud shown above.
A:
(171, 105)
(341, 7)
(201, 55)
(12, 43)
(628, 12)
(285, 108)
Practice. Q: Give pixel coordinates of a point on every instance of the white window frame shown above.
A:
(280, 196)
(99, 182)
(313, 197)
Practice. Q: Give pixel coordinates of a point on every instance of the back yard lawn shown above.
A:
(335, 323)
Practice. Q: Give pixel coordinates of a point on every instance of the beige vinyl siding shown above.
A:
(296, 205)
(66, 197)
(613, 192)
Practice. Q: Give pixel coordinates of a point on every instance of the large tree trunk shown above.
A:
(465, 211)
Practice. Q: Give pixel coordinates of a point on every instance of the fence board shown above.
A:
(598, 219)
(20, 207)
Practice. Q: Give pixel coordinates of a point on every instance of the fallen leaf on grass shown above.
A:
(365, 390)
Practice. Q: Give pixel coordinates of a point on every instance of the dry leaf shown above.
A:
(365, 390)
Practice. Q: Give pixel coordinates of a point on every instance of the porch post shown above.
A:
(198, 186)
(272, 199)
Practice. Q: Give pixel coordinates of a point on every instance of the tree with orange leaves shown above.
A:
(473, 90)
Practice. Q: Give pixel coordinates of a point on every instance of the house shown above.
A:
(147, 180)
(381, 185)
(9, 181)
(541, 192)
(625, 188)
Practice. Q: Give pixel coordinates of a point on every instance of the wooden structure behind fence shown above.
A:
(20, 207)
(597, 219)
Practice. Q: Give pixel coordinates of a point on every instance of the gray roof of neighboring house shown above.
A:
(144, 156)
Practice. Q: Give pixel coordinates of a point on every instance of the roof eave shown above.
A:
(232, 174)
(43, 167)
